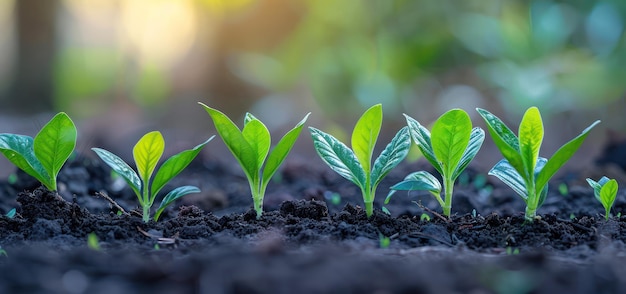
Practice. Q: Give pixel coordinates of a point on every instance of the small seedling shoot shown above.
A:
(355, 165)
(147, 153)
(251, 148)
(605, 190)
(449, 149)
(43, 156)
(522, 169)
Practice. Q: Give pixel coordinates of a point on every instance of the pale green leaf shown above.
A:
(504, 138)
(476, 141)
(560, 157)
(365, 134)
(391, 156)
(147, 153)
(173, 196)
(122, 169)
(258, 137)
(608, 194)
(173, 166)
(234, 140)
(450, 136)
(280, 151)
(54, 144)
(18, 149)
(421, 137)
(419, 181)
(338, 157)
(530, 138)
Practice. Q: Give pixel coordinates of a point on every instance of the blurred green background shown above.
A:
(121, 63)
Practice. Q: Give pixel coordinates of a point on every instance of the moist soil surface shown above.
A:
(312, 238)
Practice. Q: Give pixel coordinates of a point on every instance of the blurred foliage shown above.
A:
(558, 55)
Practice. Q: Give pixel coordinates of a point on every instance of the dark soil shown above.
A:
(312, 238)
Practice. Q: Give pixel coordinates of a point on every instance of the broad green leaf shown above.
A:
(365, 134)
(504, 171)
(504, 138)
(560, 157)
(54, 144)
(147, 153)
(280, 151)
(419, 181)
(122, 169)
(173, 196)
(607, 194)
(391, 156)
(450, 136)
(18, 149)
(258, 137)
(530, 138)
(421, 136)
(174, 165)
(338, 157)
(234, 140)
(476, 141)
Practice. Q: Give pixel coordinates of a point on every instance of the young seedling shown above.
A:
(522, 169)
(355, 165)
(605, 191)
(251, 146)
(43, 156)
(449, 149)
(147, 153)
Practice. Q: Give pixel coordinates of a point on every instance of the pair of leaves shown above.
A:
(522, 153)
(605, 190)
(355, 165)
(504, 171)
(43, 156)
(147, 153)
(251, 147)
(451, 147)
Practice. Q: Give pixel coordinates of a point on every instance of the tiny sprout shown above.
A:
(425, 217)
(383, 241)
(563, 190)
(605, 190)
(11, 213)
(93, 242)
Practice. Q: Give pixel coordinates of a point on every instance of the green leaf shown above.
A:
(391, 156)
(421, 136)
(18, 149)
(530, 138)
(504, 138)
(174, 165)
(560, 157)
(477, 138)
(248, 118)
(504, 171)
(54, 144)
(258, 137)
(597, 186)
(147, 153)
(234, 140)
(173, 196)
(365, 134)
(450, 136)
(608, 194)
(11, 213)
(280, 151)
(419, 181)
(122, 169)
(338, 157)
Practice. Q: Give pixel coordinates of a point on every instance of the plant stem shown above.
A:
(369, 208)
(146, 213)
(533, 201)
(448, 187)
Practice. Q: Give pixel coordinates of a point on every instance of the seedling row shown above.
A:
(450, 146)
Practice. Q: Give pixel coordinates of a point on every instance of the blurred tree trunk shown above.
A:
(32, 88)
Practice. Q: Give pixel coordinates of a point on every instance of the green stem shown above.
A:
(369, 208)
(533, 201)
(448, 187)
(146, 203)
(146, 213)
